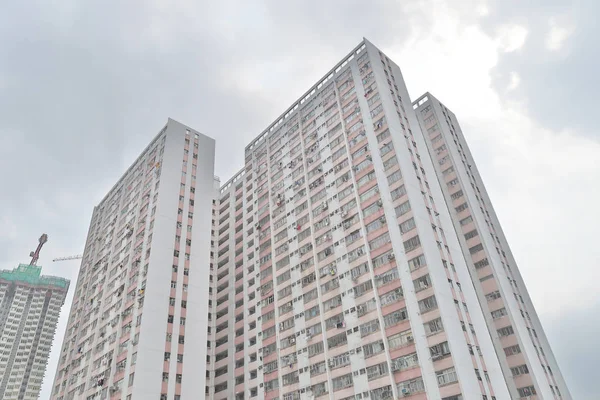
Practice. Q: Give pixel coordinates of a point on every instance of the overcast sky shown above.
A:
(84, 86)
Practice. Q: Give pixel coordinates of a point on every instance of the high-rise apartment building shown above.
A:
(29, 309)
(138, 323)
(342, 267)
(344, 264)
(522, 347)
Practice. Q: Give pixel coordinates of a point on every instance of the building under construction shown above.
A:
(30, 305)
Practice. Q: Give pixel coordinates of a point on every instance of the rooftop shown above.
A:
(31, 274)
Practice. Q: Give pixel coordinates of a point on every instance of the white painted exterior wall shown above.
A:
(146, 200)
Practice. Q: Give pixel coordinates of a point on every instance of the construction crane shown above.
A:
(77, 257)
(35, 255)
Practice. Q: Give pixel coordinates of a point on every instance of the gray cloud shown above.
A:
(84, 86)
(551, 79)
(573, 337)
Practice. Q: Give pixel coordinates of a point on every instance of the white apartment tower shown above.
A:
(522, 347)
(30, 305)
(341, 262)
(342, 270)
(141, 300)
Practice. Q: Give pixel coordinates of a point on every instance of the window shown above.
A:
(422, 283)
(369, 327)
(506, 331)
(398, 192)
(315, 349)
(412, 244)
(286, 291)
(405, 362)
(387, 277)
(427, 304)
(527, 391)
(466, 221)
(337, 340)
(519, 370)
(407, 225)
(342, 382)
(391, 297)
(462, 207)
(290, 378)
(439, 351)
(374, 348)
(434, 326)
(319, 389)
(395, 317)
(382, 393)
(312, 312)
(379, 241)
(471, 234)
(332, 303)
(417, 262)
(394, 177)
(317, 369)
(400, 339)
(448, 170)
(270, 385)
(311, 295)
(363, 288)
(512, 350)
(446, 376)
(339, 361)
(402, 209)
(493, 295)
(377, 371)
(475, 249)
(499, 313)
(457, 195)
(328, 286)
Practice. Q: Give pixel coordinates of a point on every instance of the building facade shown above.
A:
(340, 271)
(30, 305)
(340, 263)
(525, 354)
(145, 264)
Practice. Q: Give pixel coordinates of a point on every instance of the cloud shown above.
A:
(86, 85)
(558, 35)
(558, 63)
(511, 37)
(573, 336)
